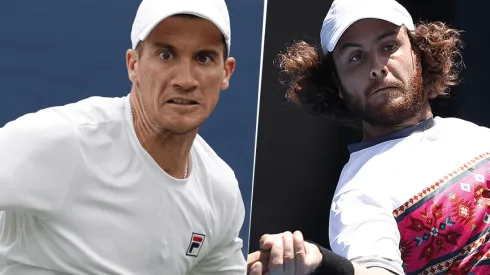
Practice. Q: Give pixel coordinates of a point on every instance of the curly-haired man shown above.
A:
(414, 196)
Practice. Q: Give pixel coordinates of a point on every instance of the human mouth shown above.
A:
(381, 89)
(182, 101)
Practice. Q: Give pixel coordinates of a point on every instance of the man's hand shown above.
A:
(284, 254)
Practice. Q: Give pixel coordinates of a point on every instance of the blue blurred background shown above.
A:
(55, 52)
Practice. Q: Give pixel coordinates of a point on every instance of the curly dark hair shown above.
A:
(311, 80)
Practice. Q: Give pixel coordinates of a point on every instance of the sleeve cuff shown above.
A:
(332, 264)
(385, 263)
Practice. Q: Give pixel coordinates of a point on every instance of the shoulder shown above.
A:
(93, 110)
(459, 125)
(216, 167)
(460, 135)
(53, 130)
(38, 129)
(363, 193)
(222, 178)
(367, 168)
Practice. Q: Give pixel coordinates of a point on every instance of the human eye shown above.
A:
(204, 58)
(355, 57)
(166, 55)
(390, 47)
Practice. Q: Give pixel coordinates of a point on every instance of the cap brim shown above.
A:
(391, 18)
(149, 28)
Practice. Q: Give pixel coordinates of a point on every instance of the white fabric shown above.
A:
(81, 196)
(379, 179)
(151, 12)
(343, 13)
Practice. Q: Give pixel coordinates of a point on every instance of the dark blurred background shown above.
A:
(55, 52)
(299, 157)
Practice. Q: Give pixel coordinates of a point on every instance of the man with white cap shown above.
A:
(414, 197)
(126, 185)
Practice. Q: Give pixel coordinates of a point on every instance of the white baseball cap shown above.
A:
(343, 13)
(151, 12)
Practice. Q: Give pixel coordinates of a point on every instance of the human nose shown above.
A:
(378, 67)
(184, 77)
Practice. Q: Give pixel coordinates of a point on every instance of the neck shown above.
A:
(371, 131)
(168, 149)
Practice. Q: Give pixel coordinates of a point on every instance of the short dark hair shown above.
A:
(311, 79)
(139, 48)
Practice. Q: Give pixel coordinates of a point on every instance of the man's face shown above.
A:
(379, 72)
(180, 72)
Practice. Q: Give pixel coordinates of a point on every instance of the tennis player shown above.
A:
(414, 197)
(126, 185)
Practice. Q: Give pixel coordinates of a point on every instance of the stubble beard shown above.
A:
(403, 104)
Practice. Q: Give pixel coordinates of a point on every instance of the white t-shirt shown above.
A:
(386, 173)
(80, 195)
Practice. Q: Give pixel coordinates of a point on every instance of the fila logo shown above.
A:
(195, 246)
